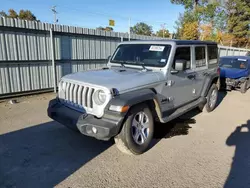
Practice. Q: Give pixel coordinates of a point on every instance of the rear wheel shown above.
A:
(137, 132)
(212, 98)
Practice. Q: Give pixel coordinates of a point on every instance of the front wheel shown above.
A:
(243, 87)
(137, 132)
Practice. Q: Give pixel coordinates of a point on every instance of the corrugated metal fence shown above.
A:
(230, 51)
(25, 53)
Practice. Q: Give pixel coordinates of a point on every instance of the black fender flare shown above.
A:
(208, 82)
(132, 98)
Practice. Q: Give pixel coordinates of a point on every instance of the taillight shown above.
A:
(218, 71)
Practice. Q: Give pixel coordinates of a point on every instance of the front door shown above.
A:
(180, 86)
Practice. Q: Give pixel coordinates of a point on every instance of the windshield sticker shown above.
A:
(163, 61)
(242, 60)
(157, 48)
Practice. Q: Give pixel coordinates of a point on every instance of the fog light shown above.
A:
(94, 130)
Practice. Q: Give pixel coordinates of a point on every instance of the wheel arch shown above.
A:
(209, 81)
(134, 98)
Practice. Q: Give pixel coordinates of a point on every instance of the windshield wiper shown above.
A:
(142, 64)
(118, 61)
(131, 63)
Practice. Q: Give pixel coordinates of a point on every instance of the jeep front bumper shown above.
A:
(102, 129)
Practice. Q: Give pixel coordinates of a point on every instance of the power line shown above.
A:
(84, 11)
(113, 15)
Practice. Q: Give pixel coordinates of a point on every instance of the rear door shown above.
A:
(200, 67)
(205, 62)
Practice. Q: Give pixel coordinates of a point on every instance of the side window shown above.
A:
(183, 53)
(212, 54)
(200, 56)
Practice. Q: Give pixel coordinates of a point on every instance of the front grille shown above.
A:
(78, 95)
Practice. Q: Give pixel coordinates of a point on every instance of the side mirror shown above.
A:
(109, 57)
(180, 64)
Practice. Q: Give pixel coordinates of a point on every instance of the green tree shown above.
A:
(142, 29)
(239, 18)
(163, 33)
(212, 13)
(109, 29)
(23, 14)
(26, 15)
(105, 28)
(221, 19)
(183, 23)
(190, 31)
(100, 28)
(178, 26)
(203, 13)
(204, 10)
(177, 34)
(3, 14)
(12, 13)
(238, 23)
(188, 4)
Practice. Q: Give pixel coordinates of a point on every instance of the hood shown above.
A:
(232, 73)
(119, 78)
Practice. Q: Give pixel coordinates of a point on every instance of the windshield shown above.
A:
(142, 54)
(233, 63)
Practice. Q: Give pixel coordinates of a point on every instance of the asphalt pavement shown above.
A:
(196, 150)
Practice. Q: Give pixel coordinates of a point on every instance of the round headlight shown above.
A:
(61, 89)
(99, 97)
(64, 86)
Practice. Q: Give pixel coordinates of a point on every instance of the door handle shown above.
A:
(191, 76)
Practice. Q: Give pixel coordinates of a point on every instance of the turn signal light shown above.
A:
(124, 108)
(119, 108)
(218, 71)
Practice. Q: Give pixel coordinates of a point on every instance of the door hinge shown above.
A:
(194, 91)
(169, 83)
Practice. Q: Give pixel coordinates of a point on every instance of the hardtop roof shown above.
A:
(173, 41)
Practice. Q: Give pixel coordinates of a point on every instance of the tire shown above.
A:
(243, 87)
(212, 97)
(126, 140)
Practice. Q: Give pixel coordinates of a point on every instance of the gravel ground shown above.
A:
(197, 150)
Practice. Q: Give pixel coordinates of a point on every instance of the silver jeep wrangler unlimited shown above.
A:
(146, 81)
